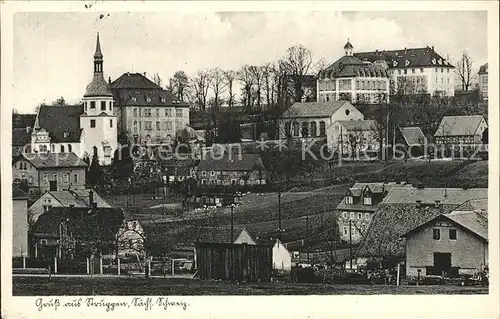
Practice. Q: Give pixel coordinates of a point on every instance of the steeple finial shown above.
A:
(348, 48)
(98, 53)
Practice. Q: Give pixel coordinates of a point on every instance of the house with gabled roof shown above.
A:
(448, 245)
(403, 209)
(43, 172)
(65, 198)
(461, 130)
(351, 137)
(358, 207)
(231, 169)
(412, 139)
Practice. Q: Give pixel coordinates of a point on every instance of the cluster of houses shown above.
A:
(434, 230)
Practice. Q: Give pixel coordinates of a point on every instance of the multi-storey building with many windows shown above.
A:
(415, 71)
(147, 113)
(483, 81)
(351, 79)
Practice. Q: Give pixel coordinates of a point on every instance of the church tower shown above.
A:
(98, 122)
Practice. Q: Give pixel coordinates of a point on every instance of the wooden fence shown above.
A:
(239, 262)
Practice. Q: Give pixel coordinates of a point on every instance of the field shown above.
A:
(57, 286)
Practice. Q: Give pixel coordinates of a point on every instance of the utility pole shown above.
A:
(232, 223)
(279, 215)
(307, 236)
(350, 244)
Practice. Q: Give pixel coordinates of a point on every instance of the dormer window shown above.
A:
(134, 99)
(65, 134)
(163, 100)
(349, 199)
(148, 99)
(367, 200)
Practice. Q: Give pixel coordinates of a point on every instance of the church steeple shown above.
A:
(98, 57)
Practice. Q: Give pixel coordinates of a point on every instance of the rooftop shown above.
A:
(54, 160)
(247, 162)
(464, 125)
(447, 196)
(313, 109)
(364, 125)
(406, 58)
(413, 135)
(58, 120)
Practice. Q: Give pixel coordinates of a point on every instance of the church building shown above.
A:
(89, 130)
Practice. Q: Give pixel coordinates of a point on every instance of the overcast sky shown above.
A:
(53, 52)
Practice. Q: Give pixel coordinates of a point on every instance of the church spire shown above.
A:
(98, 57)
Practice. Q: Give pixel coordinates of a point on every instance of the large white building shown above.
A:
(415, 71)
(88, 130)
(351, 79)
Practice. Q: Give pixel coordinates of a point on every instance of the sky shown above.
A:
(53, 52)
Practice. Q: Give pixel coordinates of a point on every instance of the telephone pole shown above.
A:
(307, 236)
(350, 244)
(279, 215)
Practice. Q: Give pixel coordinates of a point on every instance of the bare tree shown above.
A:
(267, 77)
(230, 76)
(59, 101)
(319, 66)
(200, 84)
(258, 76)
(464, 70)
(298, 62)
(246, 78)
(218, 84)
(178, 85)
(157, 80)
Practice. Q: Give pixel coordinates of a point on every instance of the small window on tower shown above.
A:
(110, 123)
(92, 123)
(111, 106)
(92, 104)
(103, 105)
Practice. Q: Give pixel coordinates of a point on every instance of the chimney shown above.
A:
(144, 74)
(432, 48)
(406, 50)
(109, 80)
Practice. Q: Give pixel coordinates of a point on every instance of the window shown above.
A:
(135, 112)
(448, 79)
(147, 112)
(135, 126)
(212, 173)
(157, 112)
(92, 123)
(168, 112)
(178, 113)
(85, 106)
(421, 70)
(169, 125)
(367, 200)
(447, 70)
(70, 148)
(360, 216)
(162, 99)
(412, 70)
(54, 177)
(75, 178)
(65, 177)
(442, 70)
(92, 104)
(399, 72)
(345, 230)
(148, 125)
(43, 242)
(313, 129)
(352, 215)
(103, 105)
(367, 216)
(45, 177)
(344, 214)
(110, 106)
(111, 123)
(134, 99)
(436, 234)
(203, 173)
(157, 126)
(322, 128)
(349, 200)
(148, 99)
(62, 148)
(43, 148)
(453, 234)
(295, 129)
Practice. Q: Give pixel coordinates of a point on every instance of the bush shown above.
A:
(72, 267)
